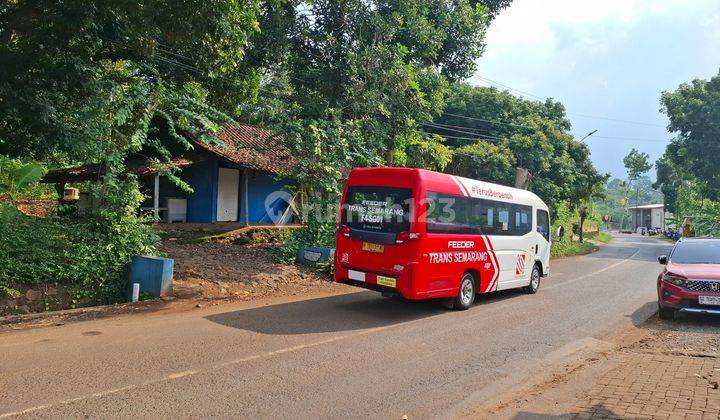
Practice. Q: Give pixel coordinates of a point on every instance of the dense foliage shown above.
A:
(492, 133)
(358, 77)
(90, 83)
(687, 173)
(92, 253)
(18, 178)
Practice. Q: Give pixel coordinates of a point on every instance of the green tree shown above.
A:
(483, 160)
(694, 113)
(494, 132)
(84, 82)
(637, 163)
(669, 180)
(90, 82)
(377, 70)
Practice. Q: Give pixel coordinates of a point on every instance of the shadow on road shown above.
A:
(330, 314)
(596, 411)
(646, 317)
(644, 313)
(350, 312)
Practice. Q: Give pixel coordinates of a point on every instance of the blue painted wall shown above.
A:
(202, 204)
(260, 186)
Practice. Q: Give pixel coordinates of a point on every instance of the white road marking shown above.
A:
(188, 373)
(594, 273)
(181, 374)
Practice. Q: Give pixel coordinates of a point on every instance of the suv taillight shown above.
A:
(403, 237)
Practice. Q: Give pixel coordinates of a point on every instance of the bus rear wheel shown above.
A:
(466, 294)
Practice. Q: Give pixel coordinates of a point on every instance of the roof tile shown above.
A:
(251, 146)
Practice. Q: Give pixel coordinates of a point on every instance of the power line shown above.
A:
(490, 121)
(615, 120)
(632, 139)
(479, 135)
(475, 139)
(474, 129)
(498, 84)
(501, 85)
(469, 130)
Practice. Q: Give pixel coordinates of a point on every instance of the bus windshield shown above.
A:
(377, 209)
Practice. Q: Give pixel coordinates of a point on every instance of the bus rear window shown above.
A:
(377, 209)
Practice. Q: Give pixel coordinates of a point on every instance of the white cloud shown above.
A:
(533, 22)
(608, 58)
(554, 34)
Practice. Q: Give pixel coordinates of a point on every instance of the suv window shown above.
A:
(696, 252)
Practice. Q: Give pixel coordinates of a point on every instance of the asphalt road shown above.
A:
(356, 355)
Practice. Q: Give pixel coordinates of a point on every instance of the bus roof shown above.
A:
(444, 183)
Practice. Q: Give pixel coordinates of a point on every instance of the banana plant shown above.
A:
(16, 176)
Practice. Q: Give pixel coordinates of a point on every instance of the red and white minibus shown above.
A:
(423, 234)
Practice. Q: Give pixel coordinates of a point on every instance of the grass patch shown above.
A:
(603, 237)
(567, 248)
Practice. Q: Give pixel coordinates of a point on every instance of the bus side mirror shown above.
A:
(663, 259)
(560, 232)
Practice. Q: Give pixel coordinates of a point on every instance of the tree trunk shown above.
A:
(523, 178)
(583, 216)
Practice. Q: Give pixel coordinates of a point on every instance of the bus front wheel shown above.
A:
(534, 281)
(466, 294)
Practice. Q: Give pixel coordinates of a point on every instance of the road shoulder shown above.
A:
(657, 370)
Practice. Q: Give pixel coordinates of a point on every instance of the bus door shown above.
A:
(509, 227)
(543, 239)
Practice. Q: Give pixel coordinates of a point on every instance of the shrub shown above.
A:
(93, 252)
(566, 248)
(314, 233)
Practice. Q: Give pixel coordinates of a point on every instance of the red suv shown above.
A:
(690, 281)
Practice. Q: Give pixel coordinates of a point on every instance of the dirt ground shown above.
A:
(226, 267)
(37, 208)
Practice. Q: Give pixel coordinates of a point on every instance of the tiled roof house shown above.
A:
(239, 179)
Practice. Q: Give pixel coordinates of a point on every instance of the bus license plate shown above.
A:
(709, 300)
(367, 246)
(385, 281)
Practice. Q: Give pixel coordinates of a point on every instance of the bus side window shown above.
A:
(499, 218)
(449, 214)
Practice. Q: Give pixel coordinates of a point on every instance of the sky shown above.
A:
(605, 60)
